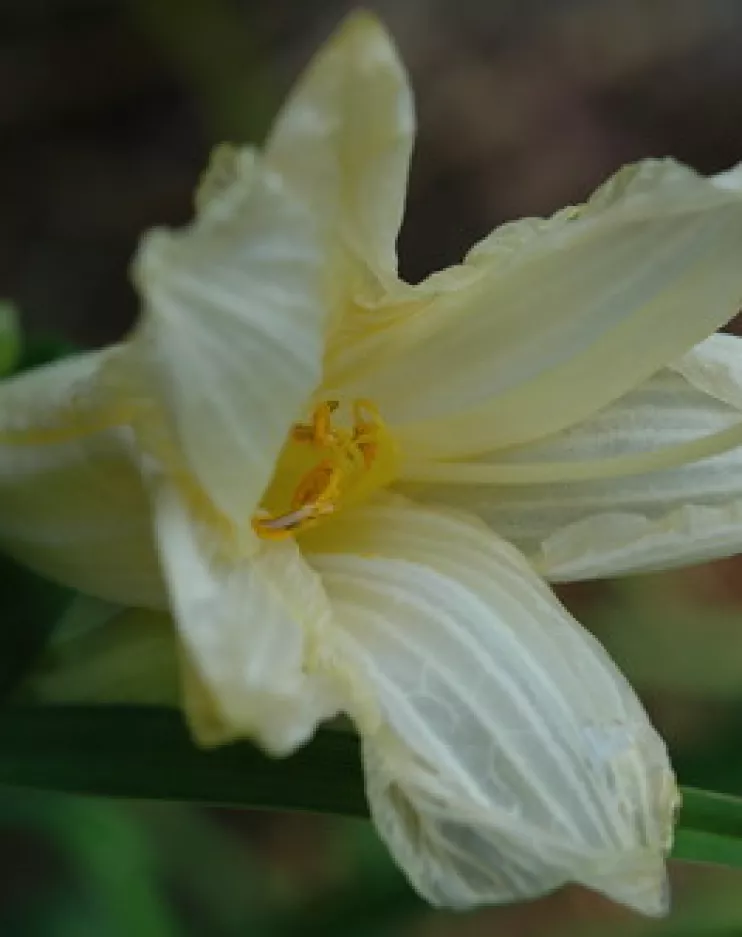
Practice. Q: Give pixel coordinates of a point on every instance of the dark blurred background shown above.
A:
(108, 110)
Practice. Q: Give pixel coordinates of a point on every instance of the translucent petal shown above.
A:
(72, 505)
(615, 525)
(230, 343)
(343, 140)
(514, 756)
(248, 626)
(559, 317)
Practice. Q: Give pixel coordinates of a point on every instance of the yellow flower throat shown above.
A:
(324, 467)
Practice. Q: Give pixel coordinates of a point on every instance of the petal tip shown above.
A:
(362, 22)
(645, 888)
(366, 39)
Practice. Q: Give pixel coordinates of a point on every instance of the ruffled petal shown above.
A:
(249, 627)
(72, 504)
(551, 320)
(618, 523)
(343, 140)
(513, 757)
(229, 347)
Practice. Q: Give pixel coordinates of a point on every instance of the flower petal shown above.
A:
(72, 504)
(620, 524)
(343, 140)
(562, 316)
(228, 166)
(248, 627)
(730, 178)
(514, 756)
(230, 342)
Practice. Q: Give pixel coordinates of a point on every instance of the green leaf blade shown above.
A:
(146, 752)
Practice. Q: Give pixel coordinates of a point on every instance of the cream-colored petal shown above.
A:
(72, 505)
(627, 523)
(714, 367)
(229, 347)
(513, 756)
(730, 178)
(559, 317)
(249, 626)
(343, 140)
(229, 165)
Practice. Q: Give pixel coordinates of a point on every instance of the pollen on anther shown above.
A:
(349, 454)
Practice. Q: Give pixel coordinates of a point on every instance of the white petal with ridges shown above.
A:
(620, 524)
(229, 348)
(514, 756)
(248, 626)
(563, 316)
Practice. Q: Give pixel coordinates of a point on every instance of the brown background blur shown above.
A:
(108, 111)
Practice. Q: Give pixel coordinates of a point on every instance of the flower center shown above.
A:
(324, 467)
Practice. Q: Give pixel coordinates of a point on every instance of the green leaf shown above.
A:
(709, 828)
(132, 751)
(696, 846)
(146, 752)
(29, 608)
(10, 344)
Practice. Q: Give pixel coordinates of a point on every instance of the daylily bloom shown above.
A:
(349, 490)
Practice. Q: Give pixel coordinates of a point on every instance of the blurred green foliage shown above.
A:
(118, 869)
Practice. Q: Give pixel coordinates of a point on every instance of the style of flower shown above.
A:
(349, 490)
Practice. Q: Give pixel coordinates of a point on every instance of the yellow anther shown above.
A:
(349, 456)
(320, 485)
(319, 432)
(366, 429)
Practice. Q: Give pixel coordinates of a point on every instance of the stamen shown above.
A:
(321, 484)
(319, 491)
(365, 432)
(286, 525)
(319, 432)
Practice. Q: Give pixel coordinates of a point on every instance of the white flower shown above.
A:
(317, 468)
